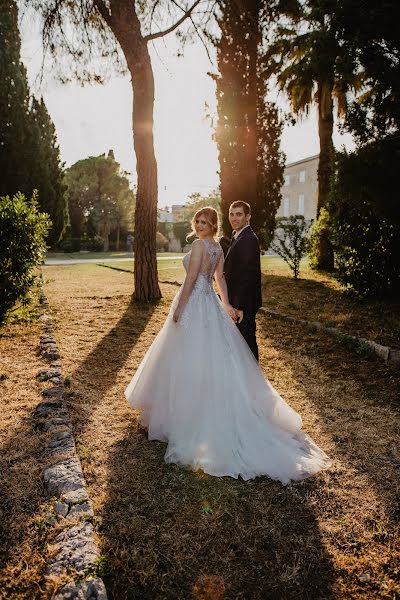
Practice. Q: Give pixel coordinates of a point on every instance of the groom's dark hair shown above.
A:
(242, 204)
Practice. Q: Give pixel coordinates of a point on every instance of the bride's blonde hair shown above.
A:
(210, 215)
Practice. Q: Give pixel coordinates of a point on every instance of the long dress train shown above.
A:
(200, 389)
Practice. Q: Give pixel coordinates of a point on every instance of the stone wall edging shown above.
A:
(386, 353)
(73, 550)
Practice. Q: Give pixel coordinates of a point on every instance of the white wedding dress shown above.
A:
(200, 389)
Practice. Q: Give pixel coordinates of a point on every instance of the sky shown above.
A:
(91, 120)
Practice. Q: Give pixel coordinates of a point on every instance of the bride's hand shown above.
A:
(231, 311)
(177, 315)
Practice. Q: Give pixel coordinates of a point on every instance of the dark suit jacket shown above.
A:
(243, 272)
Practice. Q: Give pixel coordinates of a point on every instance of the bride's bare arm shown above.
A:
(223, 290)
(191, 276)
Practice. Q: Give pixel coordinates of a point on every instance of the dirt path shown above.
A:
(172, 534)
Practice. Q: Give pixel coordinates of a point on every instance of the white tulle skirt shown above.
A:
(200, 389)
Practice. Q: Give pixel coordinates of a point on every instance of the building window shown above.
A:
(287, 180)
(302, 176)
(301, 204)
(286, 207)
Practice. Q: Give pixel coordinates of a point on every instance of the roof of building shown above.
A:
(303, 160)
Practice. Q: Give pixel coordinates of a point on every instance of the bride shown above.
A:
(200, 389)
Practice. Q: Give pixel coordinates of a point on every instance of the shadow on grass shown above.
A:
(316, 300)
(101, 368)
(358, 401)
(166, 528)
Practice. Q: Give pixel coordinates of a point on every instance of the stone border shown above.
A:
(384, 352)
(73, 550)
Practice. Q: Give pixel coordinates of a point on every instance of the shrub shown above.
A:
(366, 219)
(95, 244)
(70, 244)
(23, 231)
(291, 241)
(161, 241)
(320, 241)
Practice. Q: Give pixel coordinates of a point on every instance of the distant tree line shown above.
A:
(101, 204)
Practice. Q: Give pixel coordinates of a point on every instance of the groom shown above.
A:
(243, 272)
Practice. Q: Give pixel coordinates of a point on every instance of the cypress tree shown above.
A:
(29, 155)
(14, 103)
(249, 130)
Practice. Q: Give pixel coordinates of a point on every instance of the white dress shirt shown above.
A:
(235, 235)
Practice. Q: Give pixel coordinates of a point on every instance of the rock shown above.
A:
(92, 589)
(61, 509)
(73, 548)
(47, 339)
(59, 423)
(45, 408)
(50, 352)
(46, 374)
(80, 511)
(54, 392)
(65, 480)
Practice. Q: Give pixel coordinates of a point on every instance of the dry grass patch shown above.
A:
(24, 507)
(172, 534)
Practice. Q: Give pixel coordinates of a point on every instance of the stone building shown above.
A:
(299, 190)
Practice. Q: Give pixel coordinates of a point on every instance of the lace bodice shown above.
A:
(209, 261)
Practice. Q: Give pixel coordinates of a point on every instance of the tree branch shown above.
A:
(101, 7)
(153, 36)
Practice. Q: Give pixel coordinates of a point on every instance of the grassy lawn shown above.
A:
(98, 255)
(170, 533)
(315, 296)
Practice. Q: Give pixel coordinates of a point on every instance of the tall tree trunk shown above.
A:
(325, 259)
(126, 27)
(117, 242)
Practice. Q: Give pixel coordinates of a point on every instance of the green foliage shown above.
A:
(369, 31)
(320, 237)
(249, 130)
(29, 155)
(100, 200)
(164, 228)
(23, 231)
(181, 230)
(197, 201)
(366, 219)
(291, 241)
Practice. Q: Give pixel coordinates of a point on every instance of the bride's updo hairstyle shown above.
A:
(210, 215)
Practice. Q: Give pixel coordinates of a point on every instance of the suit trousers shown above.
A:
(248, 330)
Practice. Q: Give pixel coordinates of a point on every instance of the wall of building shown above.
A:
(299, 190)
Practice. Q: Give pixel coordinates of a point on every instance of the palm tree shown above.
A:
(312, 68)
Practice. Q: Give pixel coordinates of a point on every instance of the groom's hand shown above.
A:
(239, 315)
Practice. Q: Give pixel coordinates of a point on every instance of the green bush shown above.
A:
(95, 244)
(320, 241)
(365, 215)
(71, 244)
(291, 241)
(23, 231)
(161, 242)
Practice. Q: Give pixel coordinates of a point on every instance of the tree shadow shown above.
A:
(165, 529)
(100, 369)
(317, 300)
